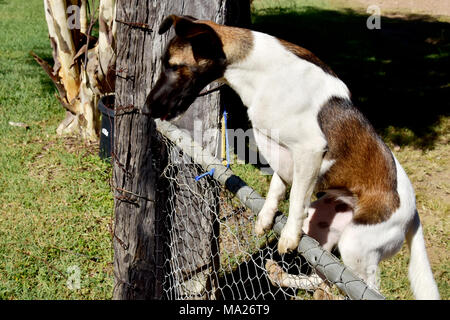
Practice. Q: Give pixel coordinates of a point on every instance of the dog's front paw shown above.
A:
(265, 219)
(262, 225)
(288, 241)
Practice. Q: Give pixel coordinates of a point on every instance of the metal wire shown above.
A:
(212, 251)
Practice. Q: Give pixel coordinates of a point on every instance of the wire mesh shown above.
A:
(212, 251)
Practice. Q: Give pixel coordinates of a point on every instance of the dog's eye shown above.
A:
(173, 67)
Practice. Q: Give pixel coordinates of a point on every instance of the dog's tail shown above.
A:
(420, 275)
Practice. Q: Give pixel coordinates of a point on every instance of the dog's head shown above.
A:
(193, 59)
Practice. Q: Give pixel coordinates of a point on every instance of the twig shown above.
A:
(19, 124)
(94, 259)
(44, 261)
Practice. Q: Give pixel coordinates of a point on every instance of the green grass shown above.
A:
(55, 200)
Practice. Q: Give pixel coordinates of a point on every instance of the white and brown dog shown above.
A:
(324, 144)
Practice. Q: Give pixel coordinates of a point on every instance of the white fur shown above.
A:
(326, 165)
(420, 274)
(284, 94)
(272, 76)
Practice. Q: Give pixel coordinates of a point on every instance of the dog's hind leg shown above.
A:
(361, 252)
(276, 193)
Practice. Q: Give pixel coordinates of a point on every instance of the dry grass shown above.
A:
(429, 171)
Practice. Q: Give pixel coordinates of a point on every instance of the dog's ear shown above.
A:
(204, 40)
(175, 20)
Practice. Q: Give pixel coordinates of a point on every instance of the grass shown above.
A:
(430, 174)
(55, 200)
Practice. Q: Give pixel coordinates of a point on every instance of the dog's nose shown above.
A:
(147, 106)
(154, 109)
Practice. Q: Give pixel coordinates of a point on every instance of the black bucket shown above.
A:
(106, 107)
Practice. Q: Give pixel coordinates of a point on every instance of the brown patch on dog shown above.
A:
(237, 42)
(323, 224)
(341, 207)
(363, 163)
(306, 55)
(180, 53)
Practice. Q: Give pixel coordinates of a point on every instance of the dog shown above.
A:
(368, 205)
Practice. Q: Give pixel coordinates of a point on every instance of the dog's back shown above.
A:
(363, 164)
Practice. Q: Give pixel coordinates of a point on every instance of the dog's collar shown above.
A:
(206, 92)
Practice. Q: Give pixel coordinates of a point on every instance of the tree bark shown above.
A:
(194, 228)
(138, 245)
(61, 34)
(84, 67)
(140, 156)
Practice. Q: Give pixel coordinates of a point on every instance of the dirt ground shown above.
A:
(390, 7)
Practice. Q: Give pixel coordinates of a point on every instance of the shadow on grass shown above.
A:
(398, 75)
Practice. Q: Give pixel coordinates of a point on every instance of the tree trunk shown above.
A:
(139, 155)
(84, 67)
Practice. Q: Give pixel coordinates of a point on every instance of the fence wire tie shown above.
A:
(125, 110)
(129, 109)
(121, 166)
(227, 146)
(127, 77)
(211, 172)
(112, 231)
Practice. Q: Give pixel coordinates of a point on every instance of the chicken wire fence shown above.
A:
(212, 251)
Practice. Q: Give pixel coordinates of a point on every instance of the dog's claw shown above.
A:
(261, 228)
(288, 242)
(264, 222)
(259, 231)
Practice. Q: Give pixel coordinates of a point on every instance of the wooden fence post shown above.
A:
(139, 156)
